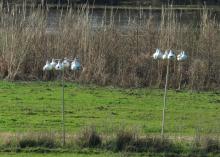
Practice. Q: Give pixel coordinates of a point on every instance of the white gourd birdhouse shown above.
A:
(179, 56)
(47, 67)
(155, 55)
(65, 63)
(171, 55)
(165, 55)
(158, 54)
(59, 66)
(53, 64)
(75, 65)
(182, 56)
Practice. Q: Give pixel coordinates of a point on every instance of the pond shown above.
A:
(125, 17)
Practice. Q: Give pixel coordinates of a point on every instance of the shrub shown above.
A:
(210, 145)
(89, 138)
(158, 144)
(129, 141)
(124, 140)
(36, 140)
(46, 141)
(27, 142)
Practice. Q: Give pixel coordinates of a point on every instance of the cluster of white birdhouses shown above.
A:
(59, 64)
(169, 54)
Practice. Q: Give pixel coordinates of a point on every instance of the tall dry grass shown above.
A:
(111, 55)
(124, 141)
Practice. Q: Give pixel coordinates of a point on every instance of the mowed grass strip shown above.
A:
(36, 106)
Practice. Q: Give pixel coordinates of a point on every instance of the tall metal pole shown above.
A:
(63, 110)
(165, 99)
(181, 75)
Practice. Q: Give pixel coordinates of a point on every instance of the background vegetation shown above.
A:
(110, 54)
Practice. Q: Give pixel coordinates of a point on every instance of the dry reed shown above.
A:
(111, 55)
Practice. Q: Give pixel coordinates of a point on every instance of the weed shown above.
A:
(89, 138)
(30, 140)
(124, 139)
(211, 144)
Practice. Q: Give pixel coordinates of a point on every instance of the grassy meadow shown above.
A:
(36, 106)
(31, 120)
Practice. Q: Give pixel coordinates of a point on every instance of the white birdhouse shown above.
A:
(59, 66)
(65, 63)
(165, 55)
(158, 54)
(53, 64)
(182, 56)
(179, 56)
(75, 65)
(47, 67)
(171, 55)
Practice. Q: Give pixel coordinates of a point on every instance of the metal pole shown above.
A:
(62, 104)
(181, 75)
(165, 99)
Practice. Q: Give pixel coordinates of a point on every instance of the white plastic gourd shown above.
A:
(165, 55)
(66, 63)
(59, 66)
(47, 67)
(53, 64)
(182, 56)
(158, 54)
(171, 55)
(75, 65)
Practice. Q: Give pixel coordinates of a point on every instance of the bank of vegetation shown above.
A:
(110, 54)
(122, 141)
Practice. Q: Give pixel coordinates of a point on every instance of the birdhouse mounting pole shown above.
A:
(62, 108)
(165, 99)
(75, 66)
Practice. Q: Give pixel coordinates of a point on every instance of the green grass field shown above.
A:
(36, 106)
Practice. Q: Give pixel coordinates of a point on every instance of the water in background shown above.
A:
(125, 17)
